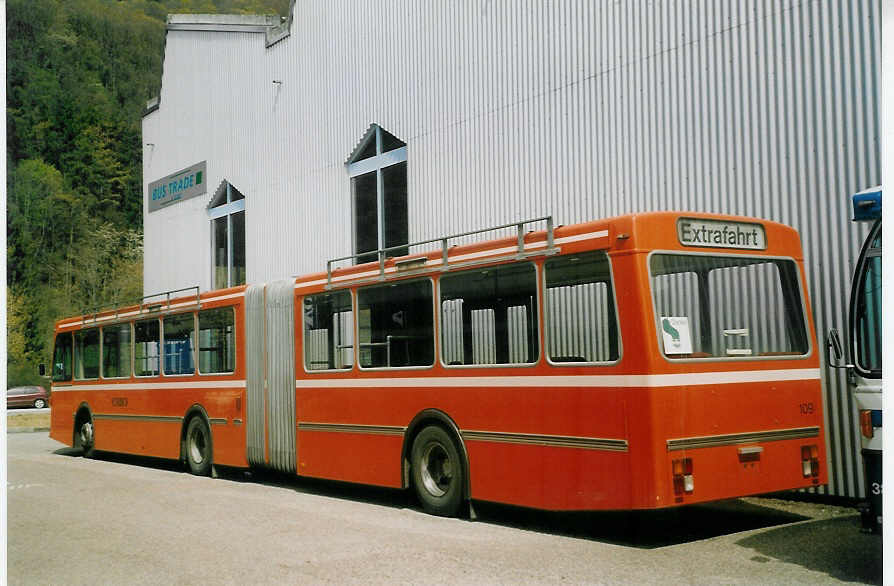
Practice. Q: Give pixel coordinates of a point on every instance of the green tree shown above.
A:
(78, 74)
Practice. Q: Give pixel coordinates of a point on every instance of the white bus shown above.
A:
(865, 344)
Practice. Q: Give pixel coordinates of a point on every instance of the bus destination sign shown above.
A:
(719, 234)
(179, 186)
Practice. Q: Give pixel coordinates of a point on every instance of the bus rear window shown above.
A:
(727, 307)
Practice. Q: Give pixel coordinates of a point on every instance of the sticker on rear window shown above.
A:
(676, 334)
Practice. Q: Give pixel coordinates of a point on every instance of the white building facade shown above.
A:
(274, 146)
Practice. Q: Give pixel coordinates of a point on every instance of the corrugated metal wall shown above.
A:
(209, 112)
(511, 110)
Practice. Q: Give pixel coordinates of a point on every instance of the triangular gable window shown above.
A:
(375, 141)
(225, 194)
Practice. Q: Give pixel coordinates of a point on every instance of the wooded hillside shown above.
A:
(79, 73)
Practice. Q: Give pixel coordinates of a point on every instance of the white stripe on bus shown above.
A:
(209, 384)
(620, 380)
(606, 380)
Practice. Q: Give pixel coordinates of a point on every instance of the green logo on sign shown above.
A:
(667, 327)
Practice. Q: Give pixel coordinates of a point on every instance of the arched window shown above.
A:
(378, 172)
(227, 214)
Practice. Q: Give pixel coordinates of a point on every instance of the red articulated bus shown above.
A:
(644, 361)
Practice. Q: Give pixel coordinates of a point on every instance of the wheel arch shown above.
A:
(434, 417)
(82, 412)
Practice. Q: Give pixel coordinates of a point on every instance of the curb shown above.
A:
(27, 429)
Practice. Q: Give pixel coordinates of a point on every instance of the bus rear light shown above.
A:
(866, 427)
(810, 461)
(683, 481)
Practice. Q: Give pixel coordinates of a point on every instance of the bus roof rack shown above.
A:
(144, 306)
(382, 253)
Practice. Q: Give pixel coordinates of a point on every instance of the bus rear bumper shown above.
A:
(706, 474)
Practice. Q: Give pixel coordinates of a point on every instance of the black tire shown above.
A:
(438, 472)
(198, 447)
(39, 403)
(84, 436)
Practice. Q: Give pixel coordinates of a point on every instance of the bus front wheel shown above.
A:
(198, 447)
(437, 471)
(84, 437)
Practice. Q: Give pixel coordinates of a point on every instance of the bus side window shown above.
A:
(328, 331)
(179, 340)
(395, 325)
(581, 321)
(62, 358)
(116, 351)
(489, 316)
(146, 348)
(86, 354)
(217, 341)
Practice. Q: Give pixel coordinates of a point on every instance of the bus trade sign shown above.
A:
(179, 186)
(719, 234)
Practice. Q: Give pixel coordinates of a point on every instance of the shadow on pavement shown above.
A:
(835, 547)
(376, 495)
(640, 529)
(354, 492)
(128, 459)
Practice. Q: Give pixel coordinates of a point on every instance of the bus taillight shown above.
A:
(866, 423)
(810, 461)
(683, 481)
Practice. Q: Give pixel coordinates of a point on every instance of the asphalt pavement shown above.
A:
(125, 520)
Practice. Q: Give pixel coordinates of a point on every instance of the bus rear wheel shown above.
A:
(198, 447)
(438, 472)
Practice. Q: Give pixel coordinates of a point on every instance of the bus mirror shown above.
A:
(836, 352)
(42, 369)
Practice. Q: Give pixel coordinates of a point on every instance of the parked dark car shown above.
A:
(29, 396)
